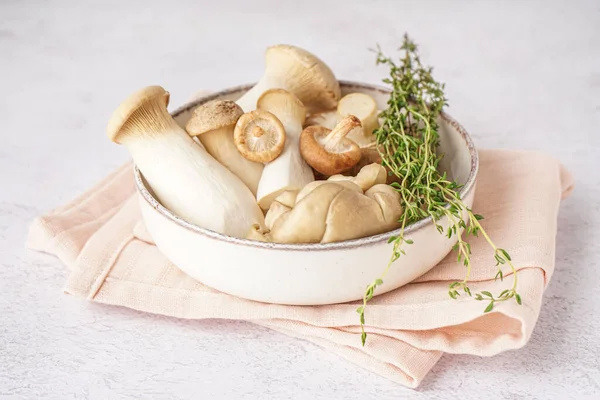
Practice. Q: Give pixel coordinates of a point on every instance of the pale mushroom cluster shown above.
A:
(291, 161)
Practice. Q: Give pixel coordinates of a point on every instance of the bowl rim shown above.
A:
(353, 243)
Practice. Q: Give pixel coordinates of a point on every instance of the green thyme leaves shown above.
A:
(407, 143)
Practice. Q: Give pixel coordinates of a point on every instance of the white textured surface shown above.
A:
(518, 74)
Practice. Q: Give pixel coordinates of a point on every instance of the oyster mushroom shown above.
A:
(285, 202)
(354, 216)
(184, 177)
(289, 171)
(368, 176)
(213, 123)
(299, 72)
(332, 211)
(329, 151)
(259, 136)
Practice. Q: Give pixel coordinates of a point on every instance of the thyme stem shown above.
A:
(407, 142)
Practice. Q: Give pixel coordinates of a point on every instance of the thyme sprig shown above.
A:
(407, 143)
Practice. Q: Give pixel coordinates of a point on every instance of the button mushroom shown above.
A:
(182, 175)
(289, 171)
(329, 151)
(213, 123)
(298, 71)
(361, 106)
(259, 136)
(332, 211)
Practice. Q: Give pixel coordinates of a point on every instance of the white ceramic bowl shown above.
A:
(307, 274)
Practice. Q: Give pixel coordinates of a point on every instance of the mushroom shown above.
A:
(213, 123)
(299, 72)
(183, 176)
(364, 108)
(257, 233)
(361, 106)
(329, 151)
(259, 136)
(284, 202)
(332, 211)
(368, 176)
(289, 171)
(354, 216)
(346, 183)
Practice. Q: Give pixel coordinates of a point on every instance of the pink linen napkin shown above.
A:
(112, 260)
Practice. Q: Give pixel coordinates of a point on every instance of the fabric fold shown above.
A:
(100, 236)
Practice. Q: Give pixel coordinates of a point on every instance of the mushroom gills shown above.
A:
(361, 106)
(364, 108)
(299, 72)
(330, 152)
(259, 136)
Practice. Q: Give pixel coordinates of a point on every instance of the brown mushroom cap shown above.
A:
(329, 152)
(143, 104)
(259, 136)
(309, 78)
(213, 115)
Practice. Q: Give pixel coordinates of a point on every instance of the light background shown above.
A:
(519, 75)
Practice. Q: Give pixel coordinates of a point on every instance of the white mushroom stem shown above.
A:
(361, 106)
(213, 124)
(332, 141)
(248, 99)
(219, 143)
(182, 175)
(289, 171)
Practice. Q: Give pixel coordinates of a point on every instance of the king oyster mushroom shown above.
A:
(288, 171)
(299, 72)
(183, 176)
(332, 211)
(361, 106)
(330, 152)
(213, 123)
